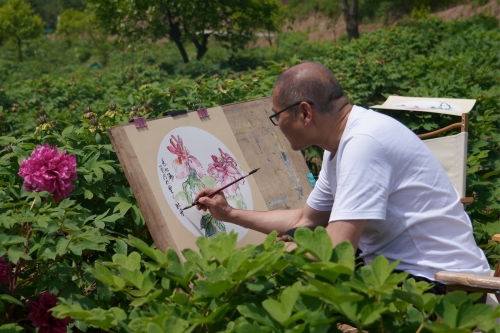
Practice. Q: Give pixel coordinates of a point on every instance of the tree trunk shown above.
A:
(201, 48)
(20, 51)
(269, 38)
(176, 34)
(351, 18)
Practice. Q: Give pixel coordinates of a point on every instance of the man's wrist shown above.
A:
(233, 215)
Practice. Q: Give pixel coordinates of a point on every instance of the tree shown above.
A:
(351, 18)
(269, 16)
(71, 24)
(49, 10)
(232, 22)
(18, 21)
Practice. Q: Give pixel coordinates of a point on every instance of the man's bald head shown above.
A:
(310, 81)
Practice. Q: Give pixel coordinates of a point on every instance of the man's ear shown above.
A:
(306, 113)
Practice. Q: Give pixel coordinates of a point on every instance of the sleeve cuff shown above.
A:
(369, 215)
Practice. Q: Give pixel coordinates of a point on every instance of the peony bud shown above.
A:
(41, 119)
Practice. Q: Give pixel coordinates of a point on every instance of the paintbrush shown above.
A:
(214, 192)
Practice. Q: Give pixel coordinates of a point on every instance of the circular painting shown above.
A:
(190, 159)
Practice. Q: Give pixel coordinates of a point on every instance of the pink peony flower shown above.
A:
(225, 170)
(184, 160)
(4, 270)
(41, 317)
(46, 170)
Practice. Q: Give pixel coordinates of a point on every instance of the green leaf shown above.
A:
(88, 194)
(10, 299)
(154, 254)
(100, 318)
(371, 312)
(215, 316)
(103, 274)
(447, 312)
(67, 131)
(414, 316)
(175, 325)
(11, 328)
(6, 240)
(62, 246)
(15, 254)
(148, 282)
(318, 243)
(257, 313)
(220, 246)
(132, 262)
(120, 247)
(329, 270)
(70, 310)
(281, 311)
(382, 269)
(217, 282)
(154, 328)
(143, 300)
(134, 277)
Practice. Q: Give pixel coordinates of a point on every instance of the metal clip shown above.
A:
(202, 111)
(140, 122)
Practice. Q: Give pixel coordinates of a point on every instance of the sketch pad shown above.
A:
(171, 159)
(451, 106)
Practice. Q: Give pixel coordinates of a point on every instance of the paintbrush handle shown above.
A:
(214, 192)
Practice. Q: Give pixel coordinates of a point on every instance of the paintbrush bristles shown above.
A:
(253, 171)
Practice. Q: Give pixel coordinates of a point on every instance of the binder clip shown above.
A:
(140, 122)
(202, 111)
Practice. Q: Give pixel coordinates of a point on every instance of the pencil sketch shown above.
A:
(428, 105)
(181, 159)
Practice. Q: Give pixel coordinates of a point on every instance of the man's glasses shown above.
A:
(277, 114)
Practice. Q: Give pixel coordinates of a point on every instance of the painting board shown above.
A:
(212, 142)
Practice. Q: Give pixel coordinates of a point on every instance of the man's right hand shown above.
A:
(217, 205)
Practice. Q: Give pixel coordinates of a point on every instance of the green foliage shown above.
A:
(49, 10)
(72, 23)
(19, 22)
(262, 288)
(116, 282)
(229, 22)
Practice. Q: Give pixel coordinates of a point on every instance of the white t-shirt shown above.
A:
(384, 173)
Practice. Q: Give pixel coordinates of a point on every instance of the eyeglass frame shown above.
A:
(288, 107)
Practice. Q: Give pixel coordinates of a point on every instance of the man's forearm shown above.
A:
(266, 222)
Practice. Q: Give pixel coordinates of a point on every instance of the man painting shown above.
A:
(379, 187)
